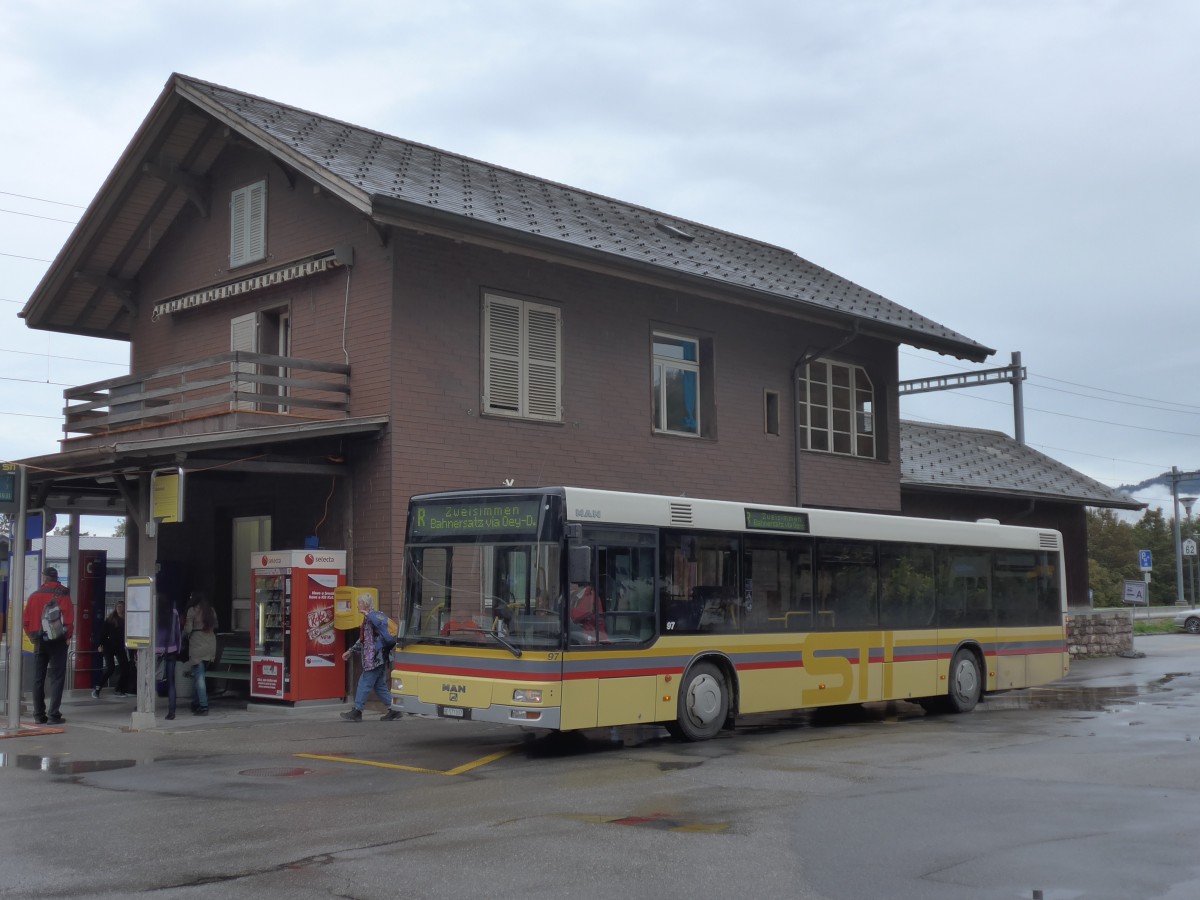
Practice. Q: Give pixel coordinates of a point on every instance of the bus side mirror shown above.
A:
(579, 564)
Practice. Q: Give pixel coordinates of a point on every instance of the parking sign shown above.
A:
(1145, 560)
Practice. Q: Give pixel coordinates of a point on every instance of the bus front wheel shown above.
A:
(966, 683)
(703, 704)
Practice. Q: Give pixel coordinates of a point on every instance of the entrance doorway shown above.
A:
(251, 534)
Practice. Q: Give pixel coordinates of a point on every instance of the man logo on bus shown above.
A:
(454, 688)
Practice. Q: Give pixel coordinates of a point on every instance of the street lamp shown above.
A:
(1176, 477)
(1187, 508)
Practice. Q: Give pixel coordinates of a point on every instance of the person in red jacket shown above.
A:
(50, 674)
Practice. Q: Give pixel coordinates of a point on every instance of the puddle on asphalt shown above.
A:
(59, 766)
(657, 821)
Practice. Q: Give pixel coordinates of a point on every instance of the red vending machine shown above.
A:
(295, 652)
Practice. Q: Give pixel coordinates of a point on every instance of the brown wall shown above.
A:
(300, 222)
(606, 439)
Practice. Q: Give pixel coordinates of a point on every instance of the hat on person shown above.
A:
(50, 572)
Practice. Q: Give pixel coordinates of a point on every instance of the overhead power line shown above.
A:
(42, 200)
(102, 362)
(13, 212)
(30, 258)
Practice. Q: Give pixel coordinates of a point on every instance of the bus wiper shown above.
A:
(514, 650)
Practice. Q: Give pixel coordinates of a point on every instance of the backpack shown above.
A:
(388, 628)
(52, 621)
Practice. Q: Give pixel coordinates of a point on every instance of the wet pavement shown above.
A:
(1080, 789)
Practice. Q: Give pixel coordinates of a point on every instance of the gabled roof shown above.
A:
(91, 288)
(976, 461)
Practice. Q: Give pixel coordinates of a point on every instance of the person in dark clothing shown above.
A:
(167, 640)
(113, 653)
(50, 672)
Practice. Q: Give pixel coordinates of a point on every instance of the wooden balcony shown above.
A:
(249, 387)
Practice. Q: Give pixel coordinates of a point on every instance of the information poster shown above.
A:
(139, 598)
(33, 576)
(266, 677)
(319, 647)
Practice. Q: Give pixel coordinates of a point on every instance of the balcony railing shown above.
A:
(231, 382)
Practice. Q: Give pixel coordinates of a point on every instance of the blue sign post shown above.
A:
(1145, 560)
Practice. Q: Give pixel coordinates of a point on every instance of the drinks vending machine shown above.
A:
(295, 652)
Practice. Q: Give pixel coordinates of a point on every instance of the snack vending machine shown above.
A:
(295, 652)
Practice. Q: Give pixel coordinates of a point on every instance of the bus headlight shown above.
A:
(524, 695)
(397, 684)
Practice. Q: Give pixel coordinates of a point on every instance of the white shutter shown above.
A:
(243, 335)
(256, 223)
(521, 359)
(542, 362)
(248, 224)
(502, 356)
(237, 228)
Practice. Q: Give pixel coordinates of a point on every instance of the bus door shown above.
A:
(610, 612)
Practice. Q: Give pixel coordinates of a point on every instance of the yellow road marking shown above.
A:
(458, 770)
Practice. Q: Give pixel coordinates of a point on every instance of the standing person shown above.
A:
(113, 652)
(167, 638)
(49, 621)
(374, 665)
(200, 626)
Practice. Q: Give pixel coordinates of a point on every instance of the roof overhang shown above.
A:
(967, 490)
(85, 480)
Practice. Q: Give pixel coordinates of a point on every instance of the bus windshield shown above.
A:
(498, 594)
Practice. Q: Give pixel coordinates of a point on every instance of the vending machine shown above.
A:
(295, 652)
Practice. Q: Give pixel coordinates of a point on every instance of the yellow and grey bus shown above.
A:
(564, 608)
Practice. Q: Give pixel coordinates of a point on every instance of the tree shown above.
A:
(1113, 546)
(1112, 556)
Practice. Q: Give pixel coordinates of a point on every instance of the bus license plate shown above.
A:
(454, 712)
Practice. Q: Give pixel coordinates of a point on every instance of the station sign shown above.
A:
(1137, 593)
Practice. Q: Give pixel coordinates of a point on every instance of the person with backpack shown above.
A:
(49, 621)
(376, 639)
(200, 638)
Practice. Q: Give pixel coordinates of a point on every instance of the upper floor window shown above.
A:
(248, 224)
(837, 409)
(522, 359)
(676, 384)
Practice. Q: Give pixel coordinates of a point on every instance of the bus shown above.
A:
(564, 608)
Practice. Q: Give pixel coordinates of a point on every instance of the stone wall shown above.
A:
(1093, 633)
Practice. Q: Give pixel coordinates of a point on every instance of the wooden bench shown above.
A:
(232, 664)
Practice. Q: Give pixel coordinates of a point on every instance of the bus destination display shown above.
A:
(776, 520)
(474, 519)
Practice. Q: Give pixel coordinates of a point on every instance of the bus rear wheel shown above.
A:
(966, 683)
(703, 704)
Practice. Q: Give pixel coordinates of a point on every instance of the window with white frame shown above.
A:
(522, 359)
(676, 384)
(248, 224)
(837, 409)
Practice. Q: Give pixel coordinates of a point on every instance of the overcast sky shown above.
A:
(1024, 172)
